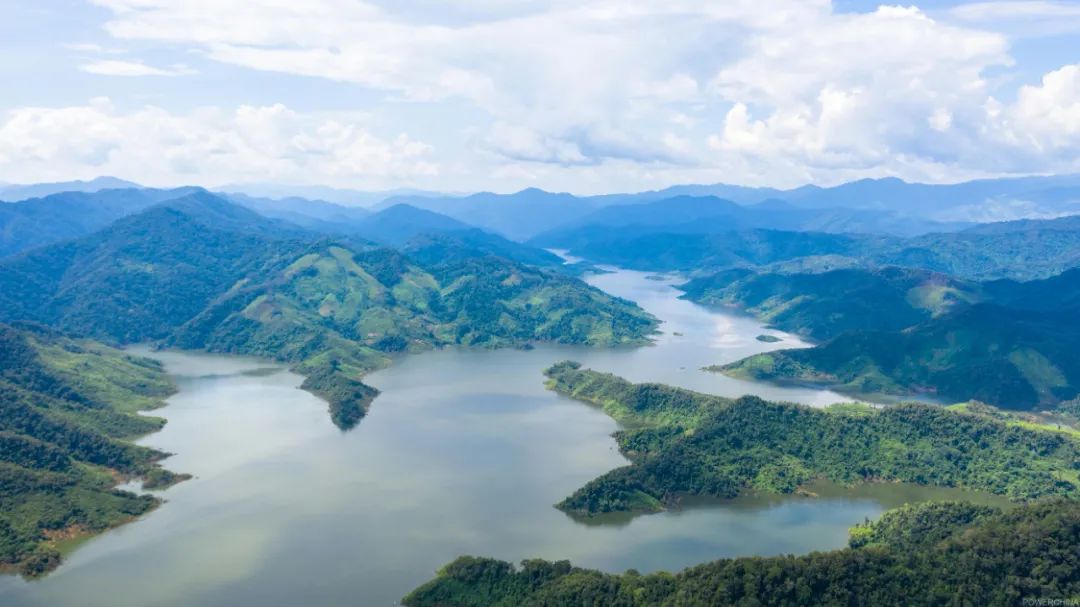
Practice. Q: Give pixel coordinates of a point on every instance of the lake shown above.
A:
(463, 453)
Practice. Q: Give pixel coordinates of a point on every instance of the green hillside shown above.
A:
(67, 416)
(1022, 250)
(202, 273)
(339, 314)
(929, 554)
(824, 305)
(1016, 359)
(684, 443)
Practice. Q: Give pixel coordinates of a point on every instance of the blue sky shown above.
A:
(585, 96)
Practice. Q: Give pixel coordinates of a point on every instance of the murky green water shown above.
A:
(463, 453)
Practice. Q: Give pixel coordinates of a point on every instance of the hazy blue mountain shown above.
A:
(40, 221)
(16, 192)
(400, 222)
(709, 214)
(901, 208)
(1030, 226)
(317, 215)
(653, 250)
(518, 216)
(342, 196)
(1020, 250)
(980, 200)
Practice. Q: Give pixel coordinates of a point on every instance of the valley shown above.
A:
(464, 451)
(363, 397)
(539, 303)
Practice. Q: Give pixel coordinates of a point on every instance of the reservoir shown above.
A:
(464, 452)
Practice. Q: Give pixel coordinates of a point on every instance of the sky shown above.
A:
(586, 96)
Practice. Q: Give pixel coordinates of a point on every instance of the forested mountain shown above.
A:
(399, 223)
(703, 252)
(1021, 250)
(518, 216)
(315, 215)
(711, 215)
(147, 273)
(67, 414)
(685, 443)
(41, 221)
(929, 554)
(200, 272)
(432, 248)
(870, 205)
(826, 304)
(1009, 357)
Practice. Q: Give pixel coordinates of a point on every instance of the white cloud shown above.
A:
(1045, 118)
(206, 146)
(114, 67)
(767, 91)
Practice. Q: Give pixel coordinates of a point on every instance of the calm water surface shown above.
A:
(463, 453)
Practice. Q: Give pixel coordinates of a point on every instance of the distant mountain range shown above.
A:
(341, 196)
(889, 205)
(904, 208)
(1024, 249)
(15, 193)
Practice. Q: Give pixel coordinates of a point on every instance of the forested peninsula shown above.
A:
(682, 443)
(68, 414)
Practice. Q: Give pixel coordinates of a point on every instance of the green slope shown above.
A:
(824, 305)
(67, 414)
(202, 273)
(1016, 359)
(1020, 250)
(685, 443)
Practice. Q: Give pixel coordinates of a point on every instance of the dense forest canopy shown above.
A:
(67, 415)
(684, 443)
(199, 272)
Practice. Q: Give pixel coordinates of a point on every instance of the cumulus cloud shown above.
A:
(1046, 117)
(768, 91)
(208, 145)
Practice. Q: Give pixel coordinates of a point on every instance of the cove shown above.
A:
(464, 452)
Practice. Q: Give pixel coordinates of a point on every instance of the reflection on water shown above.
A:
(463, 453)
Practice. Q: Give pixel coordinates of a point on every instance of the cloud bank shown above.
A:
(594, 92)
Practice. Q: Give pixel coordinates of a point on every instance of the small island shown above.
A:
(768, 339)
